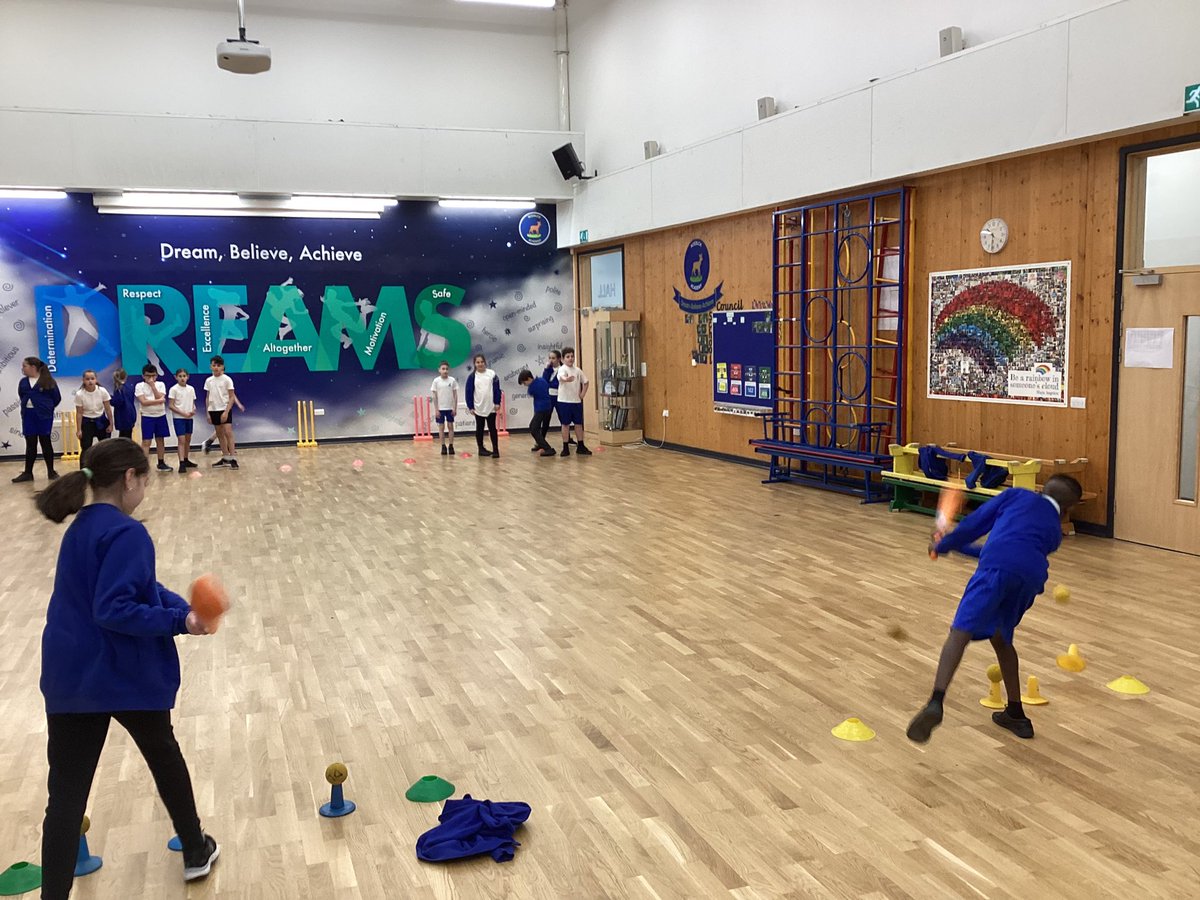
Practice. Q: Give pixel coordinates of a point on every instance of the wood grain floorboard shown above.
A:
(648, 648)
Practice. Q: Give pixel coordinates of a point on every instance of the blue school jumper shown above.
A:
(551, 375)
(1025, 528)
(124, 407)
(539, 390)
(37, 408)
(108, 645)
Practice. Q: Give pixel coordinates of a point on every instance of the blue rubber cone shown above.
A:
(175, 844)
(85, 863)
(337, 805)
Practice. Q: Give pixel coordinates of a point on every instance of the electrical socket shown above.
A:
(666, 414)
(318, 412)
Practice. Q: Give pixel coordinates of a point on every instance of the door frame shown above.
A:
(1123, 187)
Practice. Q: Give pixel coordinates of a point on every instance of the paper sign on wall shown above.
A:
(1149, 348)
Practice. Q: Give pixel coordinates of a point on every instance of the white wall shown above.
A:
(1120, 66)
(116, 57)
(679, 71)
(120, 95)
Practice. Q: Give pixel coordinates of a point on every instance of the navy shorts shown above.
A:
(994, 601)
(214, 416)
(444, 415)
(155, 427)
(570, 413)
(183, 426)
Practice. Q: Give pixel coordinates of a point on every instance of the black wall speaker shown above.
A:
(568, 163)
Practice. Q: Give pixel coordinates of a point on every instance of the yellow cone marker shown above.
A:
(993, 700)
(1033, 696)
(853, 730)
(1127, 684)
(1062, 593)
(1071, 660)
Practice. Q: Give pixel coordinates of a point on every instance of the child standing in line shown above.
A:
(1025, 529)
(572, 388)
(483, 397)
(153, 401)
(539, 390)
(39, 396)
(93, 412)
(220, 399)
(182, 398)
(444, 392)
(108, 652)
(124, 404)
(550, 374)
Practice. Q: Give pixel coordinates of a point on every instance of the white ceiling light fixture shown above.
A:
(469, 203)
(242, 56)
(540, 4)
(32, 194)
(202, 203)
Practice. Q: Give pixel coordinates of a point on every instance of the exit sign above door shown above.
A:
(1191, 98)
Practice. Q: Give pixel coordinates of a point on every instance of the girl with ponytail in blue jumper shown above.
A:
(108, 652)
(40, 397)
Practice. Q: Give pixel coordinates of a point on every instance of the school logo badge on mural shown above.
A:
(534, 228)
(695, 274)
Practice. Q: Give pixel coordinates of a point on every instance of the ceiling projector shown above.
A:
(243, 57)
(240, 55)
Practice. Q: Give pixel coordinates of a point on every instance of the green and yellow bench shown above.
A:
(910, 485)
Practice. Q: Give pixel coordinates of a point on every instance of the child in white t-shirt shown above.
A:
(220, 401)
(93, 412)
(182, 399)
(572, 388)
(444, 393)
(153, 402)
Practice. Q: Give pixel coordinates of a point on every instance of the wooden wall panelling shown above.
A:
(1059, 204)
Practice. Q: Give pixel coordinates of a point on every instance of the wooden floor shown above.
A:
(648, 648)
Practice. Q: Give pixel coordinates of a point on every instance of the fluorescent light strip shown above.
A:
(239, 213)
(463, 203)
(231, 202)
(541, 4)
(32, 194)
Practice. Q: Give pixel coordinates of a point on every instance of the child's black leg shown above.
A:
(1012, 716)
(930, 717)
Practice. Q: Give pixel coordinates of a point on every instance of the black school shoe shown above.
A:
(163, 467)
(566, 450)
(924, 722)
(191, 465)
(1022, 728)
(483, 451)
(583, 451)
(23, 477)
(445, 452)
(198, 864)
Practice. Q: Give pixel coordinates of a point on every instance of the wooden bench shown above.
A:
(910, 485)
(820, 464)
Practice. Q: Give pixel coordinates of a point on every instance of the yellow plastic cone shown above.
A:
(993, 700)
(1033, 696)
(853, 730)
(1071, 660)
(1127, 684)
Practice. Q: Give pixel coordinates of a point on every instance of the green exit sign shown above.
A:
(1191, 98)
(583, 236)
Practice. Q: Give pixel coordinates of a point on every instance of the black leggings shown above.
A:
(31, 449)
(490, 420)
(73, 748)
(126, 432)
(91, 432)
(538, 426)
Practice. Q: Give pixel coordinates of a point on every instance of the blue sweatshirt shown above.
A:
(551, 375)
(539, 390)
(124, 407)
(37, 407)
(109, 642)
(1025, 529)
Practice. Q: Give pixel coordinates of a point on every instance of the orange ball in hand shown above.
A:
(209, 601)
